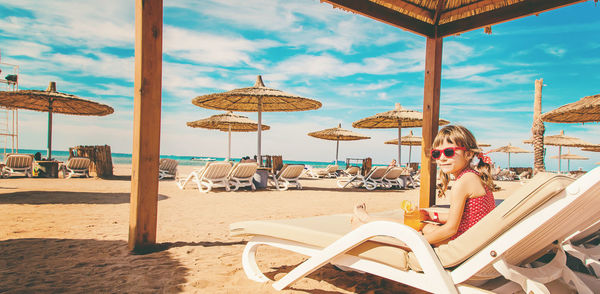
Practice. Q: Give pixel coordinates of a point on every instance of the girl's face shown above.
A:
(455, 164)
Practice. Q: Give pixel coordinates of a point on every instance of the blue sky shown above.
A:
(355, 66)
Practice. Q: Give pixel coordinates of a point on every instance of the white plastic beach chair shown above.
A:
(76, 166)
(17, 164)
(289, 174)
(375, 178)
(242, 174)
(328, 172)
(529, 223)
(584, 245)
(214, 174)
(167, 168)
(393, 177)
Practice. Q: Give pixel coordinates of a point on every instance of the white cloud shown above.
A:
(462, 72)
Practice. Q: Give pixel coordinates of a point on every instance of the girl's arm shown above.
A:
(458, 197)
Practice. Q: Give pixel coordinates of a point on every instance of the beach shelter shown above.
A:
(569, 157)
(509, 149)
(52, 101)
(338, 134)
(227, 122)
(398, 118)
(587, 109)
(408, 140)
(562, 140)
(483, 145)
(256, 99)
(591, 149)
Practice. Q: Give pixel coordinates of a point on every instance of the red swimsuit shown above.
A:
(475, 208)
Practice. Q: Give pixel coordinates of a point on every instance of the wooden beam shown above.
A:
(431, 117)
(500, 15)
(146, 124)
(385, 15)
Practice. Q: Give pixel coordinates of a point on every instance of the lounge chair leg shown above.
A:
(249, 263)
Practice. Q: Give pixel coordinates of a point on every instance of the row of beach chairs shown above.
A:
(22, 165)
(378, 177)
(233, 177)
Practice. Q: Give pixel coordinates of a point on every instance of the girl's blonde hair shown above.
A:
(462, 137)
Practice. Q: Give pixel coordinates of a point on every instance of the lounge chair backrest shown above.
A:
(78, 163)
(277, 163)
(353, 170)
(378, 172)
(332, 168)
(394, 173)
(521, 203)
(291, 171)
(244, 170)
(19, 160)
(168, 164)
(216, 170)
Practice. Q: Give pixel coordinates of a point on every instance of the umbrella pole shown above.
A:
(559, 153)
(337, 149)
(568, 165)
(49, 151)
(409, 151)
(258, 156)
(229, 145)
(399, 146)
(509, 161)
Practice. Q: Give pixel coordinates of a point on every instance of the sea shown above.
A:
(125, 158)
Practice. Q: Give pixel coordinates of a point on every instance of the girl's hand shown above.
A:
(428, 214)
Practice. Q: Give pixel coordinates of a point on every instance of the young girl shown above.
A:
(471, 196)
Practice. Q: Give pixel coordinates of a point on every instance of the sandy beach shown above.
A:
(70, 235)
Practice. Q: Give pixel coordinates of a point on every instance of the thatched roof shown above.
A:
(238, 123)
(592, 149)
(587, 109)
(408, 140)
(246, 99)
(509, 149)
(563, 140)
(570, 156)
(446, 17)
(61, 102)
(338, 134)
(398, 118)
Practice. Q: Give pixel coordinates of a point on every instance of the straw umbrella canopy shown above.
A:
(52, 101)
(509, 149)
(227, 122)
(408, 140)
(398, 118)
(483, 145)
(256, 99)
(338, 134)
(569, 157)
(592, 149)
(561, 140)
(587, 109)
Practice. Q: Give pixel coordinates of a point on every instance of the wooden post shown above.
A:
(538, 129)
(431, 116)
(146, 124)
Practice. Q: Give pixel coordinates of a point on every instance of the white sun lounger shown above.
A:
(393, 177)
(242, 174)
(328, 172)
(76, 166)
(167, 168)
(371, 181)
(289, 174)
(533, 220)
(17, 164)
(214, 174)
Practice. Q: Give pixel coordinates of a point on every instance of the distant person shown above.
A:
(37, 156)
(471, 199)
(393, 163)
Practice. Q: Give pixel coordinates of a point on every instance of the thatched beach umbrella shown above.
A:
(408, 140)
(569, 157)
(509, 149)
(52, 102)
(398, 118)
(587, 109)
(592, 149)
(227, 122)
(483, 145)
(256, 99)
(561, 140)
(338, 134)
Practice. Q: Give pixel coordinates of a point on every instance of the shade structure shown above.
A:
(562, 140)
(227, 122)
(338, 134)
(509, 149)
(591, 149)
(587, 109)
(569, 157)
(52, 101)
(408, 140)
(398, 118)
(479, 144)
(256, 99)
